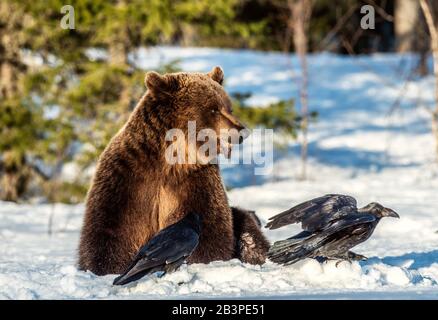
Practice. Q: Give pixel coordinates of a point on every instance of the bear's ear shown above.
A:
(217, 75)
(154, 81)
(160, 85)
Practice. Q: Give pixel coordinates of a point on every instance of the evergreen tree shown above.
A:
(71, 95)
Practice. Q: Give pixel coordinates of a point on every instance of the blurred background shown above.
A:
(65, 92)
(71, 75)
(349, 87)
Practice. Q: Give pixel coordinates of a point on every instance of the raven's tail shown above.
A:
(294, 249)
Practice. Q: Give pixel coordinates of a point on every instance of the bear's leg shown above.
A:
(251, 245)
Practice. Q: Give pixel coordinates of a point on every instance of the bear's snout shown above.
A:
(244, 133)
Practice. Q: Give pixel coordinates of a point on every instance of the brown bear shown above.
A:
(135, 192)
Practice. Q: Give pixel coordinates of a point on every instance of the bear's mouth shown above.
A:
(225, 147)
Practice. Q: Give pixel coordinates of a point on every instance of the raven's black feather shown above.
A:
(316, 213)
(166, 251)
(332, 226)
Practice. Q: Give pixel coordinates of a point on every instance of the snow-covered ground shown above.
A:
(357, 147)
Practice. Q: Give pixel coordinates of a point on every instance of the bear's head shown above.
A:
(200, 108)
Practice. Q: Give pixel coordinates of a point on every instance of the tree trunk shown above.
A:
(405, 24)
(299, 22)
(12, 167)
(8, 80)
(118, 55)
(432, 24)
(13, 182)
(9, 52)
(8, 185)
(411, 32)
(188, 35)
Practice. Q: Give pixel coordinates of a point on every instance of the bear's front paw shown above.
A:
(249, 251)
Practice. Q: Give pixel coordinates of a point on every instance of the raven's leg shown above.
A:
(251, 245)
(350, 256)
(338, 258)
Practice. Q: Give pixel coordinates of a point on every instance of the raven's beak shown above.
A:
(390, 213)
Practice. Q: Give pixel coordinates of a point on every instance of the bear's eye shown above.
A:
(214, 110)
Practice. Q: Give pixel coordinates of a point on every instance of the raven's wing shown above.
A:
(167, 250)
(347, 222)
(306, 244)
(316, 213)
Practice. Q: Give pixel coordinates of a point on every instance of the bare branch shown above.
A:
(341, 22)
(426, 7)
(380, 11)
(427, 11)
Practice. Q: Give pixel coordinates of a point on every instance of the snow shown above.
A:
(357, 147)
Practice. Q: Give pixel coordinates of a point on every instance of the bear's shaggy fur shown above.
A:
(135, 193)
(250, 244)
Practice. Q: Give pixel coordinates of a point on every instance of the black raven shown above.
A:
(166, 251)
(332, 226)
